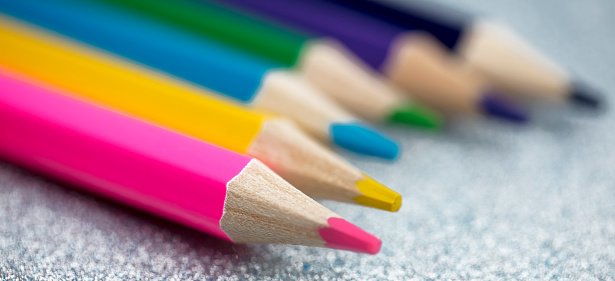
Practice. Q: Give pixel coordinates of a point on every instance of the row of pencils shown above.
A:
(216, 114)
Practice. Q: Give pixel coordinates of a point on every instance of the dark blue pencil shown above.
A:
(491, 49)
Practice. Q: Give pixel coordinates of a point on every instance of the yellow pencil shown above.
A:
(138, 91)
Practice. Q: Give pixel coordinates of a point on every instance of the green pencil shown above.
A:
(325, 64)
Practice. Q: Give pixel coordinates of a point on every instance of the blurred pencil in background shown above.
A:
(413, 61)
(135, 90)
(244, 77)
(231, 196)
(326, 64)
(491, 49)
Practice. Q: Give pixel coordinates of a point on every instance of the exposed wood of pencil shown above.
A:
(313, 168)
(419, 65)
(346, 79)
(262, 208)
(511, 64)
(289, 94)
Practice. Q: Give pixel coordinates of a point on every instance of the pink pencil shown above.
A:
(211, 189)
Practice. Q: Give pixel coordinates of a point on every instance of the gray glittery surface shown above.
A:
(483, 200)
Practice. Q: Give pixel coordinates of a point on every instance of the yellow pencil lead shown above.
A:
(377, 196)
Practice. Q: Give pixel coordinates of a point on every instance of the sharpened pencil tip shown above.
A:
(583, 95)
(416, 115)
(362, 139)
(377, 196)
(496, 106)
(343, 235)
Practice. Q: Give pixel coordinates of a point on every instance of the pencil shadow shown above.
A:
(482, 134)
(565, 120)
(120, 220)
(479, 134)
(196, 240)
(558, 127)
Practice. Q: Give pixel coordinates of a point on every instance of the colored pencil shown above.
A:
(489, 48)
(194, 183)
(392, 51)
(230, 72)
(328, 65)
(170, 103)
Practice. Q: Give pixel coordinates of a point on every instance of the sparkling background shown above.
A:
(483, 200)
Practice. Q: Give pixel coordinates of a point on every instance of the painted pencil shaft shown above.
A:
(379, 44)
(446, 24)
(224, 70)
(217, 21)
(168, 174)
(132, 89)
(493, 50)
(327, 65)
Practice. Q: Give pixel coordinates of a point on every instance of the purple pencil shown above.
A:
(413, 60)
